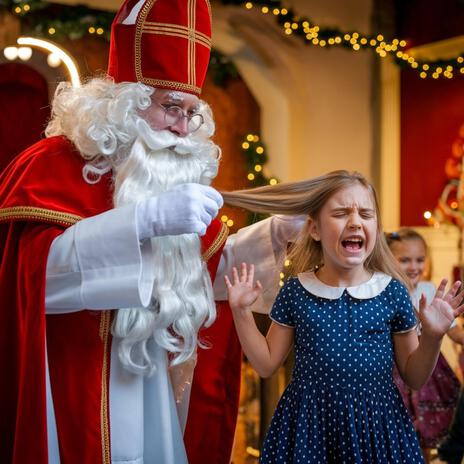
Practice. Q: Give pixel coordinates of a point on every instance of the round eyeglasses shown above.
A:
(173, 114)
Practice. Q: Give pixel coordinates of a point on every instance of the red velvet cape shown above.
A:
(41, 193)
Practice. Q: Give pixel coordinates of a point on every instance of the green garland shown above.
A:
(316, 35)
(54, 21)
(255, 155)
(40, 18)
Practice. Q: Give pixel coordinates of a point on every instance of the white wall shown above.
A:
(315, 103)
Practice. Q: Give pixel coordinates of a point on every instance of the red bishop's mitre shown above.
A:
(162, 43)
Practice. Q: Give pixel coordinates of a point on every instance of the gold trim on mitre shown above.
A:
(188, 32)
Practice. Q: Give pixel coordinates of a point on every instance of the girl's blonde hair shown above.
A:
(308, 197)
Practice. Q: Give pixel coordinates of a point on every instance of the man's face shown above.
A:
(172, 110)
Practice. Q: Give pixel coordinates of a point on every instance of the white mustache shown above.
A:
(161, 139)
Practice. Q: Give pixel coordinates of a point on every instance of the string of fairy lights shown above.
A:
(255, 156)
(293, 24)
(76, 21)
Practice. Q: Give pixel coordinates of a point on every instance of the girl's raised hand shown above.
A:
(243, 292)
(446, 306)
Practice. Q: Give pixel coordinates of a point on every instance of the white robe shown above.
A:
(99, 264)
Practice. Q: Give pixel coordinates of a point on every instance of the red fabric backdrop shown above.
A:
(432, 112)
(25, 109)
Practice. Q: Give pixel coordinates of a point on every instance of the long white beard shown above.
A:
(182, 297)
(103, 120)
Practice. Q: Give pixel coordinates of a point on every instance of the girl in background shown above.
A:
(349, 316)
(431, 407)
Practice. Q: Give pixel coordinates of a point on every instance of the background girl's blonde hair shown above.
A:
(405, 234)
(308, 197)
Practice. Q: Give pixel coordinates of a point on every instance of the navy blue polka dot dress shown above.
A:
(341, 405)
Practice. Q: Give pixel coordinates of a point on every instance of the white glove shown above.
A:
(186, 209)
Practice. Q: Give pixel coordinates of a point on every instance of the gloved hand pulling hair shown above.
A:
(185, 209)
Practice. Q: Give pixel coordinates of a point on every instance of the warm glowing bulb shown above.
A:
(249, 5)
(53, 60)
(51, 30)
(423, 75)
(100, 31)
(251, 176)
(260, 150)
(273, 181)
(224, 218)
(11, 53)
(68, 62)
(258, 168)
(24, 53)
(17, 10)
(265, 9)
(245, 145)
(230, 223)
(427, 214)
(250, 137)
(26, 7)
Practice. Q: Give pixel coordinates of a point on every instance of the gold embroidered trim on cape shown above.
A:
(218, 241)
(17, 213)
(104, 413)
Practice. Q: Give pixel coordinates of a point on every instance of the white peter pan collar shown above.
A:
(373, 287)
